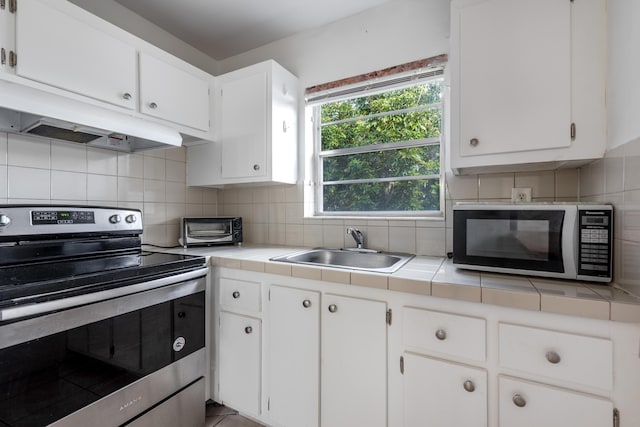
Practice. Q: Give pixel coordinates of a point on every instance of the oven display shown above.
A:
(62, 217)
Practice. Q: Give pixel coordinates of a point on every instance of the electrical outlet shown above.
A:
(521, 195)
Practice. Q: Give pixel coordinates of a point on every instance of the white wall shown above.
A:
(623, 80)
(129, 21)
(391, 34)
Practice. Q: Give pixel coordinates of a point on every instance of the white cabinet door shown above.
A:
(60, 50)
(240, 362)
(511, 99)
(294, 356)
(354, 362)
(443, 394)
(243, 129)
(170, 93)
(522, 72)
(526, 404)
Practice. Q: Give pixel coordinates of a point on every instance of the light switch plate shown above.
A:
(521, 195)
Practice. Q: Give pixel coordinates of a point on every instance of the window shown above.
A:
(377, 147)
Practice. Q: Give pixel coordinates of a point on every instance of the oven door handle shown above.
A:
(26, 310)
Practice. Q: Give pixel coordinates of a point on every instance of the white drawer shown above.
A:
(445, 334)
(557, 355)
(240, 294)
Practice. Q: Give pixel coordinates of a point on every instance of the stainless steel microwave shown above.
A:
(567, 241)
(210, 231)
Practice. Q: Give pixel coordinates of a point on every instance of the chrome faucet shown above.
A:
(357, 236)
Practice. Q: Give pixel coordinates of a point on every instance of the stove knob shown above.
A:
(114, 219)
(130, 219)
(4, 220)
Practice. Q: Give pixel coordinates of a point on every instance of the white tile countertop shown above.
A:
(438, 277)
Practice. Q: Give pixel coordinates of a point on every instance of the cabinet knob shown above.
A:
(473, 142)
(441, 334)
(256, 167)
(126, 96)
(469, 386)
(235, 294)
(4, 220)
(248, 330)
(333, 308)
(519, 401)
(153, 105)
(553, 357)
(284, 126)
(182, 314)
(306, 303)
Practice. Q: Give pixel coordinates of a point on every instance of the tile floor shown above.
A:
(221, 416)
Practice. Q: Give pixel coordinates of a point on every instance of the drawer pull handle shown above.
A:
(519, 401)
(553, 357)
(469, 386)
(441, 334)
(333, 308)
(248, 330)
(306, 303)
(235, 295)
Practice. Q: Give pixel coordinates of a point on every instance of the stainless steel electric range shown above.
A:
(94, 331)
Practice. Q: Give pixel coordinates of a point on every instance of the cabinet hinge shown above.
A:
(402, 365)
(389, 317)
(13, 59)
(13, 6)
(573, 131)
(616, 417)
(3, 4)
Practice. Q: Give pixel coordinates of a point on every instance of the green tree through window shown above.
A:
(380, 152)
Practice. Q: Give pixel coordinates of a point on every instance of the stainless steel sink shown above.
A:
(354, 259)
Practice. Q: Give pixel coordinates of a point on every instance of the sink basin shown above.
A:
(380, 262)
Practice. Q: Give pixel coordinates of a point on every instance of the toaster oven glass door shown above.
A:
(520, 239)
(210, 231)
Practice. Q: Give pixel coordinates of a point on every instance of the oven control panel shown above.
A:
(26, 220)
(62, 217)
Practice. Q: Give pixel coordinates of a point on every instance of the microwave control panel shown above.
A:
(595, 235)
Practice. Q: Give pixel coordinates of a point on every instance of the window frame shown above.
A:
(394, 82)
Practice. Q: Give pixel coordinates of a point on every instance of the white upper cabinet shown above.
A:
(257, 130)
(527, 83)
(171, 93)
(62, 51)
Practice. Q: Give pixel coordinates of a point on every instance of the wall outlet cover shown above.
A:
(521, 195)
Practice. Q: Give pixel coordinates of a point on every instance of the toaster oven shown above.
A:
(210, 231)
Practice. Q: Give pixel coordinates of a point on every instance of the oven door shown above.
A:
(105, 363)
(509, 240)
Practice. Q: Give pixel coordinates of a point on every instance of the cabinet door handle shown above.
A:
(3, 56)
(333, 308)
(469, 386)
(519, 401)
(256, 167)
(126, 96)
(473, 142)
(284, 126)
(306, 303)
(441, 334)
(235, 294)
(553, 357)
(248, 330)
(153, 105)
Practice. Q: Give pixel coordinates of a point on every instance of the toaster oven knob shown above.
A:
(4, 220)
(130, 219)
(114, 219)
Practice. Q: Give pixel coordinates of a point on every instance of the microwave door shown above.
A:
(513, 239)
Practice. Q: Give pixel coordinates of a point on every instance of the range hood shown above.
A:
(32, 111)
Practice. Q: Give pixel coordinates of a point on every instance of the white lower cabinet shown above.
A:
(528, 404)
(354, 362)
(293, 366)
(443, 394)
(240, 362)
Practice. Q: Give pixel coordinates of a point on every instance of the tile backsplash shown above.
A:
(615, 179)
(41, 171)
(275, 214)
